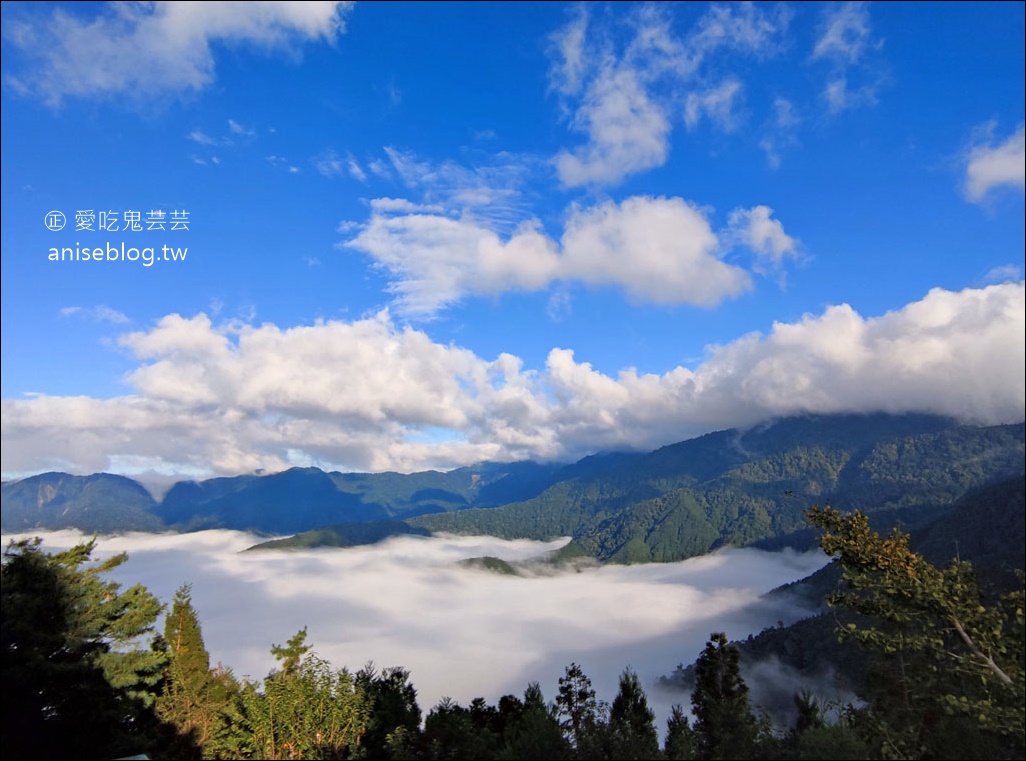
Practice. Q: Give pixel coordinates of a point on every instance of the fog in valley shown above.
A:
(461, 632)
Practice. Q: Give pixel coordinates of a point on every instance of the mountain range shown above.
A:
(733, 487)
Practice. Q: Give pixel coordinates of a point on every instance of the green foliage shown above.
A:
(79, 669)
(343, 535)
(307, 709)
(950, 660)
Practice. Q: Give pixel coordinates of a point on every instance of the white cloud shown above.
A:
(569, 63)
(144, 49)
(1004, 273)
(234, 398)
(627, 133)
(656, 249)
(619, 100)
(355, 170)
(100, 313)
(202, 138)
(991, 166)
(435, 260)
(844, 33)
(717, 104)
(660, 250)
(844, 44)
(239, 129)
(329, 164)
(491, 189)
(755, 229)
(407, 603)
(839, 96)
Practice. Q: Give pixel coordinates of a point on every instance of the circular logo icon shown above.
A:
(55, 220)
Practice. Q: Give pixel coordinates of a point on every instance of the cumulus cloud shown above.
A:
(627, 132)
(989, 166)
(406, 603)
(659, 250)
(143, 49)
(233, 398)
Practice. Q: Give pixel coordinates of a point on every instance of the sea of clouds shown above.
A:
(461, 632)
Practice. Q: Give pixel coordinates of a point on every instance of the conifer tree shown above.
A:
(632, 730)
(680, 737)
(725, 727)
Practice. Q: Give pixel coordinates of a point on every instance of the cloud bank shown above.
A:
(373, 395)
(461, 632)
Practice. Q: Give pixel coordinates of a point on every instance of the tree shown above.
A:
(680, 737)
(79, 667)
(725, 727)
(631, 722)
(532, 731)
(394, 723)
(579, 713)
(307, 709)
(195, 698)
(951, 676)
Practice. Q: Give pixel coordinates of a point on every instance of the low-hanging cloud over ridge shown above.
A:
(373, 395)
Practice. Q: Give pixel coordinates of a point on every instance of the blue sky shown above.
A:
(428, 234)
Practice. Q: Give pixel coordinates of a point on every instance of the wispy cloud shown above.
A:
(238, 129)
(622, 100)
(844, 33)
(989, 166)
(100, 313)
(844, 42)
(716, 104)
(142, 49)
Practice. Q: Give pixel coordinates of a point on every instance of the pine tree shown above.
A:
(532, 732)
(725, 727)
(680, 737)
(632, 730)
(577, 709)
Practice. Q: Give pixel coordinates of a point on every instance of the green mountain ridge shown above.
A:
(727, 488)
(740, 489)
